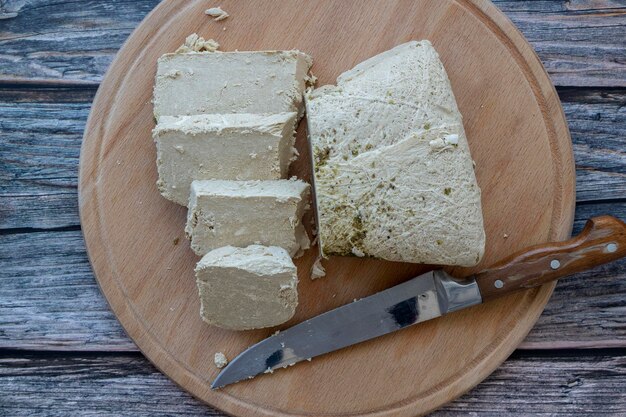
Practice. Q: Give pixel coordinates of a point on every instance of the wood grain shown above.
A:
(587, 385)
(602, 240)
(40, 139)
(580, 42)
(571, 25)
(521, 147)
(600, 150)
(49, 298)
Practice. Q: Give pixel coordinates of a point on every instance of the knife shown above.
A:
(428, 296)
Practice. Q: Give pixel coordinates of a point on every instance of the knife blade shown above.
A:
(426, 297)
(423, 298)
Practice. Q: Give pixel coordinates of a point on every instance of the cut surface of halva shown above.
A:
(221, 146)
(230, 82)
(393, 173)
(242, 213)
(247, 288)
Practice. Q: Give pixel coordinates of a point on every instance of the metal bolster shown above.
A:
(455, 295)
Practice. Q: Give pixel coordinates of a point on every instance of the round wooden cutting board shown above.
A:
(518, 137)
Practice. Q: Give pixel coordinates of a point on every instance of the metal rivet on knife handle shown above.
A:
(602, 240)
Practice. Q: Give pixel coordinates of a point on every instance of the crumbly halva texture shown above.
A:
(221, 146)
(230, 82)
(216, 13)
(242, 213)
(393, 172)
(195, 43)
(318, 270)
(247, 288)
(220, 360)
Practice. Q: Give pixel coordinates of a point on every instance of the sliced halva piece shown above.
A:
(247, 288)
(393, 172)
(221, 146)
(230, 82)
(242, 213)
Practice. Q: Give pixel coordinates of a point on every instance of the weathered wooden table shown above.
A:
(62, 352)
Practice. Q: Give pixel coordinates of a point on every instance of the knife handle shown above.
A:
(602, 240)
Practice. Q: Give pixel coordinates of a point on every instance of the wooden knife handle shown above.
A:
(602, 240)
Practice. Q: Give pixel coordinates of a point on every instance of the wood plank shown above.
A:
(597, 121)
(41, 134)
(66, 40)
(581, 42)
(49, 299)
(586, 385)
(568, 385)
